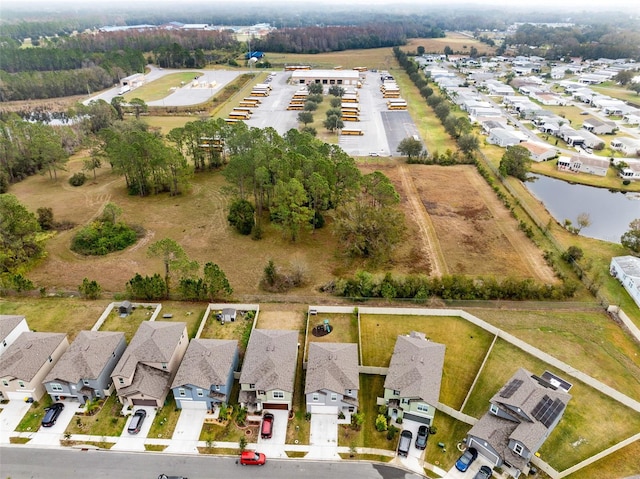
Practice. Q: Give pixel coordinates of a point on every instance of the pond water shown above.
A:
(610, 213)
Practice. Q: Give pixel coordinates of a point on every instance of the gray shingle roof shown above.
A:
(416, 368)
(521, 403)
(207, 362)
(150, 381)
(86, 357)
(26, 356)
(270, 360)
(8, 324)
(154, 342)
(332, 366)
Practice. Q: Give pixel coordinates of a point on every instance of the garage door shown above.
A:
(144, 402)
(486, 452)
(197, 405)
(269, 405)
(420, 419)
(324, 409)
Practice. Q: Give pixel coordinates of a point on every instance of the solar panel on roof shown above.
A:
(547, 410)
(512, 387)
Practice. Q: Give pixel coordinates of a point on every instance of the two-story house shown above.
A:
(520, 418)
(269, 370)
(332, 380)
(11, 326)
(25, 364)
(205, 376)
(412, 385)
(83, 372)
(144, 374)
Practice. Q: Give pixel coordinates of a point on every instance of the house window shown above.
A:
(199, 393)
(50, 359)
(423, 408)
(334, 397)
(278, 395)
(217, 387)
(164, 365)
(98, 394)
(182, 392)
(85, 382)
(396, 392)
(4, 343)
(349, 392)
(5, 383)
(518, 449)
(55, 387)
(316, 397)
(121, 380)
(21, 384)
(252, 386)
(494, 409)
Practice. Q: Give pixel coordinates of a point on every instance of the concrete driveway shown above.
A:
(187, 432)
(11, 415)
(50, 436)
(413, 461)
(135, 442)
(324, 436)
(274, 446)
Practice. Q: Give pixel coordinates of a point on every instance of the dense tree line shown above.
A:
(324, 39)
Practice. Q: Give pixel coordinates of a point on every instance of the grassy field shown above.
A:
(160, 88)
(129, 324)
(624, 462)
(589, 341)
(449, 432)
(466, 347)
(56, 315)
(611, 89)
(458, 42)
(577, 436)
(166, 419)
(344, 328)
(108, 421)
(32, 420)
(368, 436)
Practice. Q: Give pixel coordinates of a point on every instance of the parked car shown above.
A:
(464, 461)
(483, 473)
(266, 431)
(405, 443)
(164, 476)
(136, 421)
(252, 458)
(421, 438)
(51, 414)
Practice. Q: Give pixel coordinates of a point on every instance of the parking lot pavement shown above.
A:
(10, 416)
(50, 436)
(135, 442)
(187, 432)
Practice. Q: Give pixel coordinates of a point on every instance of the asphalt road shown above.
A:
(23, 462)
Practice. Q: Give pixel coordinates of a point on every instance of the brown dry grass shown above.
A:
(458, 42)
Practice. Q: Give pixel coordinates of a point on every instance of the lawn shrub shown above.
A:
(77, 179)
(103, 237)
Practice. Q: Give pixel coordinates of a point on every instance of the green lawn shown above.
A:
(611, 181)
(31, 421)
(623, 462)
(449, 432)
(588, 341)
(108, 421)
(371, 386)
(186, 312)
(344, 328)
(161, 88)
(466, 347)
(166, 419)
(578, 436)
(129, 324)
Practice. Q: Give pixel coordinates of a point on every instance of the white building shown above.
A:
(627, 270)
(326, 77)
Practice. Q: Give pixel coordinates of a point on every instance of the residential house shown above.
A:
(412, 385)
(269, 369)
(628, 146)
(539, 151)
(332, 380)
(627, 270)
(145, 371)
(632, 118)
(83, 373)
(520, 418)
(599, 127)
(631, 171)
(570, 136)
(593, 165)
(11, 326)
(503, 137)
(205, 376)
(488, 125)
(26, 363)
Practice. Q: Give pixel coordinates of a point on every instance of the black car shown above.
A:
(421, 438)
(483, 473)
(51, 414)
(164, 476)
(136, 421)
(405, 443)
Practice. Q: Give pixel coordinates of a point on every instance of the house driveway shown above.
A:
(324, 436)
(187, 432)
(471, 472)
(274, 446)
(11, 415)
(135, 442)
(50, 436)
(413, 461)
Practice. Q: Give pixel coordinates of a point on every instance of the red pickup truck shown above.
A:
(266, 430)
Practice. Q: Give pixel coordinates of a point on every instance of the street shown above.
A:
(20, 462)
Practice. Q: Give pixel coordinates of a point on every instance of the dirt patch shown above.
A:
(282, 317)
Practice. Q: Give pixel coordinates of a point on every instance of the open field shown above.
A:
(589, 341)
(624, 462)
(577, 436)
(106, 422)
(458, 42)
(466, 347)
(160, 88)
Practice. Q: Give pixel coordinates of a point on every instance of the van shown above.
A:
(405, 443)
